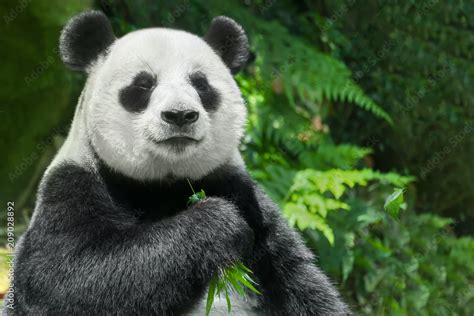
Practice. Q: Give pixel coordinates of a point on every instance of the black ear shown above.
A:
(228, 39)
(84, 38)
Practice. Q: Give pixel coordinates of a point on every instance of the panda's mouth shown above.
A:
(178, 141)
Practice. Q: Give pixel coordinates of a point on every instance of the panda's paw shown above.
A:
(227, 226)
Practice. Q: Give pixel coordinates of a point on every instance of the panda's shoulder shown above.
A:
(68, 179)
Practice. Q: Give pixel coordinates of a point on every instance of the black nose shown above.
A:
(179, 118)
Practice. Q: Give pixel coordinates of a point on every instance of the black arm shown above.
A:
(291, 282)
(83, 254)
(283, 266)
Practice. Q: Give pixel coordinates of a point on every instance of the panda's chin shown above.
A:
(176, 144)
(175, 151)
(177, 141)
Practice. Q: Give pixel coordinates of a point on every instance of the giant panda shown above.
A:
(112, 233)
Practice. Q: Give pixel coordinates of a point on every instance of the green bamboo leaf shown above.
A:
(236, 285)
(235, 276)
(246, 283)
(211, 294)
(196, 197)
(221, 284)
(241, 266)
(227, 298)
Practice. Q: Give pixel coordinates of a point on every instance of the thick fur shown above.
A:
(84, 39)
(112, 233)
(93, 249)
(229, 41)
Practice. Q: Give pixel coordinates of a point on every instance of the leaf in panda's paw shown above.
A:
(235, 277)
(197, 196)
(227, 298)
(211, 294)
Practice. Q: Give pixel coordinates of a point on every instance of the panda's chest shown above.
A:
(150, 201)
(155, 200)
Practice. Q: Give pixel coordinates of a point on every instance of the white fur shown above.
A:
(121, 138)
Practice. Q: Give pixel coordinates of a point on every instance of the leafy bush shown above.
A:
(414, 266)
(415, 59)
(37, 96)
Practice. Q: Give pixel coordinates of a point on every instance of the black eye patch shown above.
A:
(135, 97)
(208, 95)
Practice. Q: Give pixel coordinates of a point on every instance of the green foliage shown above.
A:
(415, 59)
(328, 156)
(195, 197)
(411, 266)
(308, 204)
(309, 76)
(37, 95)
(394, 202)
(233, 278)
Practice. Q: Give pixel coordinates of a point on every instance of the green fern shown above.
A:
(328, 156)
(309, 77)
(315, 193)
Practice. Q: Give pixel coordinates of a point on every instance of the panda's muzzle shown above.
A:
(177, 141)
(180, 118)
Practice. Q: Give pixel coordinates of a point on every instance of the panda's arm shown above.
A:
(291, 282)
(84, 254)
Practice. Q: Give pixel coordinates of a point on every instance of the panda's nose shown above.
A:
(179, 118)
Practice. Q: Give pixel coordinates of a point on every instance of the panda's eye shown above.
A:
(136, 95)
(144, 81)
(199, 82)
(208, 94)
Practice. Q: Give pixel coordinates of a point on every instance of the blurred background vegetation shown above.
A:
(348, 101)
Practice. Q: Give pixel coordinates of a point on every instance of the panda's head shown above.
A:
(159, 102)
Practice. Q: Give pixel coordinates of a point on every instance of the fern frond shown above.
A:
(308, 203)
(309, 76)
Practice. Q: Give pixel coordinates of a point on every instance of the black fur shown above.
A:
(86, 253)
(104, 242)
(135, 96)
(228, 39)
(84, 39)
(209, 96)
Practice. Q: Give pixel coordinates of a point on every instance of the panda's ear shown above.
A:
(228, 39)
(84, 38)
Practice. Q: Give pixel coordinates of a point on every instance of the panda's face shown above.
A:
(158, 102)
(163, 103)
